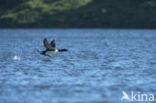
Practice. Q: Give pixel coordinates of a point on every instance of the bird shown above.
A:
(51, 48)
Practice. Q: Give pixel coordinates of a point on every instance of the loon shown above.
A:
(51, 48)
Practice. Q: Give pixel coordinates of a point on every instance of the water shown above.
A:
(100, 65)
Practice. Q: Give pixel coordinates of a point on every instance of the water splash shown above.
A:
(17, 58)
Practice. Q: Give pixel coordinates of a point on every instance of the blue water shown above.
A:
(99, 65)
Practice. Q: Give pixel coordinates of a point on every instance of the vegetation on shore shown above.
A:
(77, 13)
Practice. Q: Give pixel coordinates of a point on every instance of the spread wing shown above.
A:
(53, 44)
(46, 44)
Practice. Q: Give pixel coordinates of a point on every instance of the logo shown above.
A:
(137, 96)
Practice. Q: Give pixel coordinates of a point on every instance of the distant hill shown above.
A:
(77, 13)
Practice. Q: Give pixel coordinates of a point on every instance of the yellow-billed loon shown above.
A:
(51, 48)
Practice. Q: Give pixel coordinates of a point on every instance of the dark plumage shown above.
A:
(51, 47)
(63, 50)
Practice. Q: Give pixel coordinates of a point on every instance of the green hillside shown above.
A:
(77, 13)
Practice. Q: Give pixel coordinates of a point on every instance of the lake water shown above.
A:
(99, 66)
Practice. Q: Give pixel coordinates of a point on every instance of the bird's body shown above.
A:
(49, 52)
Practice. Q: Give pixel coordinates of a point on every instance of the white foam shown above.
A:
(17, 58)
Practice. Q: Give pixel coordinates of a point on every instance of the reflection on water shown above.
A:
(100, 64)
